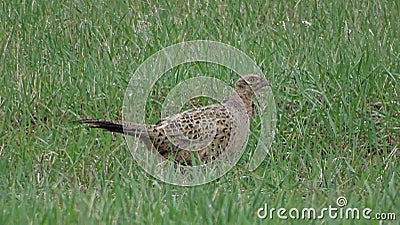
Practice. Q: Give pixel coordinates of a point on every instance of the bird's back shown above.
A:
(201, 133)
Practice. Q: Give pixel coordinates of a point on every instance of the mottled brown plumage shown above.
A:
(198, 134)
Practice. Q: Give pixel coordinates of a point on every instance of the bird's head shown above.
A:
(245, 88)
(255, 82)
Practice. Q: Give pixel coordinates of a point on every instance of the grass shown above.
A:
(334, 67)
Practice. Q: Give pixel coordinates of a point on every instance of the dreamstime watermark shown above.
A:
(146, 76)
(339, 212)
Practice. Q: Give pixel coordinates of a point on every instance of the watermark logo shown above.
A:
(338, 212)
(144, 79)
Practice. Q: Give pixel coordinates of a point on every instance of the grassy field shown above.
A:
(335, 70)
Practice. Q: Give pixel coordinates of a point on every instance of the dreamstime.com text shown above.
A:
(332, 212)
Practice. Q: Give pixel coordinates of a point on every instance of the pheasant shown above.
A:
(198, 135)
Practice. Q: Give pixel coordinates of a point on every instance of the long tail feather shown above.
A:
(114, 126)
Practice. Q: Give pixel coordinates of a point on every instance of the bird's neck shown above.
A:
(245, 96)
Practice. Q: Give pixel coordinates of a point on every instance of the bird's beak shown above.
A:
(265, 83)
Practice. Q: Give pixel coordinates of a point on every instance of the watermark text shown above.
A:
(338, 211)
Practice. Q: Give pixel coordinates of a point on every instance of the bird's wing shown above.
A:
(194, 129)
